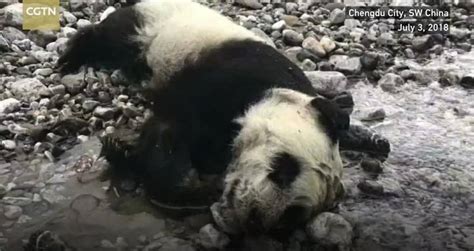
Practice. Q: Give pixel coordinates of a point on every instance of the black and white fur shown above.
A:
(225, 103)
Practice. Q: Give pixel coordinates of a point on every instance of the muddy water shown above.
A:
(429, 177)
(428, 180)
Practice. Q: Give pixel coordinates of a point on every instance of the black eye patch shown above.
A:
(285, 169)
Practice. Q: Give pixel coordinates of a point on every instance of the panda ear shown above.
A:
(333, 117)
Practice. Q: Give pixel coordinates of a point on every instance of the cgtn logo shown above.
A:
(41, 11)
(41, 15)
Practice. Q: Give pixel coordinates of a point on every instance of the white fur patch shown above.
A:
(176, 31)
(283, 122)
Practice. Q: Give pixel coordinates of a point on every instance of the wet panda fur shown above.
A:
(225, 103)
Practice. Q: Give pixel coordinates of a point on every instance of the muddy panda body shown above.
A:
(225, 103)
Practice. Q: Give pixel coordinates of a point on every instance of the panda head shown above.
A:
(286, 164)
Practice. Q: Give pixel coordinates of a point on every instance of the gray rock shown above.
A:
(308, 65)
(8, 144)
(81, 23)
(58, 89)
(89, 105)
(172, 244)
(264, 36)
(212, 238)
(346, 64)
(337, 16)
(104, 112)
(28, 88)
(291, 37)
(292, 53)
(43, 56)
(11, 34)
(390, 81)
(369, 61)
(352, 23)
(77, 5)
(314, 46)
(329, 229)
(69, 17)
(378, 114)
(422, 43)
(4, 44)
(409, 53)
(371, 165)
(12, 212)
(14, 15)
(328, 44)
(68, 32)
(370, 187)
(41, 37)
(327, 81)
(74, 83)
(9, 105)
(467, 81)
(252, 4)
(43, 72)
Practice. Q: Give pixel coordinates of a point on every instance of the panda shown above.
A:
(224, 103)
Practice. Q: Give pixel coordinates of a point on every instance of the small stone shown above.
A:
(104, 112)
(331, 230)
(337, 16)
(327, 81)
(9, 105)
(12, 212)
(106, 244)
(211, 238)
(11, 34)
(88, 105)
(422, 43)
(369, 61)
(74, 83)
(378, 114)
(346, 64)
(9, 144)
(467, 81)
(81, 23)
(43, 72)
(313, 45)
(252, 4)
(28, 88)
(42, 37)
(58, 89)
(308, 65)
(291, 37)
(371, 187)
(328, 44)
(390, 81)
(69, 17)
(278, 26)
(371, 165)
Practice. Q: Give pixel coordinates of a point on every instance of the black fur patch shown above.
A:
(108, 44)
(334, 119)
(285, 170)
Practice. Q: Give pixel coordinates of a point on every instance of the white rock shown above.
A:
(106, 13)
(28, 88)
(327, 81)
(211, 238)
(12, 212)
(82, 23)
(328, 44)
(330, 229)
(314, 46)
(253, 4)
(9, 144)
(280, 25)
(14, 15)
(9, 105)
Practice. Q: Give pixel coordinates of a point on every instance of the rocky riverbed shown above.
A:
(414, 89)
